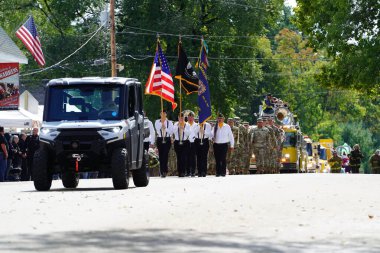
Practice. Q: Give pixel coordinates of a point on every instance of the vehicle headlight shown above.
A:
(253, 156)
(287, 155)
(45, 130)
(113, 129)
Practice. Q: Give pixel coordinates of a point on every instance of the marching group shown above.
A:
(216, 147)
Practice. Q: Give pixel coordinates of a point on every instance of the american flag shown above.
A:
(27, 33)
(160, 80)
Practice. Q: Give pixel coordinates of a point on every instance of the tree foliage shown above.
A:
(349, 31)
(254, 48)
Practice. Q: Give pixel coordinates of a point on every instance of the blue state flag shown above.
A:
(204, 102)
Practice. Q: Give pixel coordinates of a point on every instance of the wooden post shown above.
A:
(112, 35)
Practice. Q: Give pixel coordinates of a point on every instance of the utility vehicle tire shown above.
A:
(70, 179)
(120, 169)
(141, 176)
(42, 177)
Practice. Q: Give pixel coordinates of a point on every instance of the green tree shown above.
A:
(349, 31)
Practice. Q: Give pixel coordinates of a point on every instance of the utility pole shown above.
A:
(113, 43)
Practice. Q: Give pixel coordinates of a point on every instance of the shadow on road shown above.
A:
(162, 240)
(83, 189)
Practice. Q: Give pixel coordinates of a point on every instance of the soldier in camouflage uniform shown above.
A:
(231, 166)
(260, 139)
(172, 162)
(271, 150)
(211, 164)
(241, 149)
(374, 162)
(279, 135)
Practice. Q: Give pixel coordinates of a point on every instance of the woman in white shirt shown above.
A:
(202, 134)
(164, 129)
(181, 132)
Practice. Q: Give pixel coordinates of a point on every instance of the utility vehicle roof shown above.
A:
(92, 80)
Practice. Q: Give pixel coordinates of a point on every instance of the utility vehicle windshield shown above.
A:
(89, 102)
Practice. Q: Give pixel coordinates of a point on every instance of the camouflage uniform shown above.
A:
(374, 162)
(271, 151)
(211, 169)
(243, 151)
(232, 155)
(172, 163)
(260, 140)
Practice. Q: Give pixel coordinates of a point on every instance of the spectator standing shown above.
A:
(356, 157)
(33, 145)
(15, 157)
(23, 148)
(3, 155)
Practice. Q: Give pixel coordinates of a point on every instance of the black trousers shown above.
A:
(163, 153)
(202, 153)
(181, 151)
(146, 145)
(220, 152)
(191, 159)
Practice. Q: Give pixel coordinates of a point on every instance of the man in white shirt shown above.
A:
(223, 138)
(164, 129)
(149, 140)
(202, 135)
(191, 155)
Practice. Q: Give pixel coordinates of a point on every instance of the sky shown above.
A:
(292, 3)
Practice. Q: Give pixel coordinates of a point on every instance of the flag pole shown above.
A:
(162, 102)
(180, 80)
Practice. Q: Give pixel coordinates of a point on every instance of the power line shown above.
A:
(58, 63)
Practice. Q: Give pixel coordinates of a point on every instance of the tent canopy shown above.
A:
(19, 119)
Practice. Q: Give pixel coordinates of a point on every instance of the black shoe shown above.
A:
(181, 175)
(192, 175)
(217, 175)
(223, 175)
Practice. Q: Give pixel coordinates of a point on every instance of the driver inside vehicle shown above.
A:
(109, 107)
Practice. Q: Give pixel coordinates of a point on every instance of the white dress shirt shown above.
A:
(192, 127)
(223, 135)
(152, 134)
(169, 128)
(207, 131)
(185, 133)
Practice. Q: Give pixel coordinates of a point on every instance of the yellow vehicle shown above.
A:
(311, 156)
(291, 152)
(323, 152)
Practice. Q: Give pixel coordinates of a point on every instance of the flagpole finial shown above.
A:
(158, 37)
(180, 38)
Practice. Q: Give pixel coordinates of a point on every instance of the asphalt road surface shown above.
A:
(250, 213)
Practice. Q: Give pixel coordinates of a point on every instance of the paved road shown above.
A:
(251, 213)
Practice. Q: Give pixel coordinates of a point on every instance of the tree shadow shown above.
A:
(163, 240)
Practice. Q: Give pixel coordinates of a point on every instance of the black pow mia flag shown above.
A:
(185, 72)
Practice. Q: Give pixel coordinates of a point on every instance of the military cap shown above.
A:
(245, 123)
(236, 118)
(259, 119)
